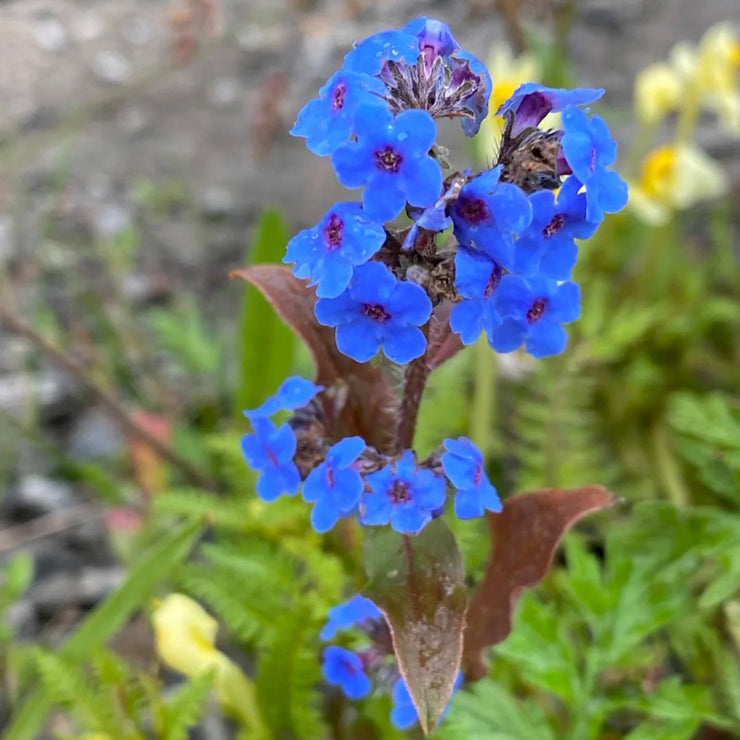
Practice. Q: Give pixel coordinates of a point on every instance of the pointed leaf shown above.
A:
(367, 402)
(524, 539)
(419, 584)
(266, 346)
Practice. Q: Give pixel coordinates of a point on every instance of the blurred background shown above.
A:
(144, 153)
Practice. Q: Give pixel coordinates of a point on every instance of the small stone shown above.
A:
(35, 495)
(50, 35)
(217, 202)
(134, 120)
(86, 588)
(51, 391)
(21, 618)
(7, 235)
(137, 31)
(112, 67)
(93, 436)
(110, 219)
(88, 27)
(224, 92)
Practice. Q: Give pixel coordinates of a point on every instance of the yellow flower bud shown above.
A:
(185, 637)
(658, 91)
(718, 63)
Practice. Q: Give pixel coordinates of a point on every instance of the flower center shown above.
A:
(492, 283)
(557, 223)
(330, 476)
(337, 98)
(399, 492)
(538, 308)
(333, 232)
(376, 312)
(658, 171)
(474, 210)
(388, 160)
(478, 476)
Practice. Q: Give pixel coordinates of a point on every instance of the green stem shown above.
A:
(668, 471)
(483, 412)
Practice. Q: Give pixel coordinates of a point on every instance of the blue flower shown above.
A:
(326, 253)
(357, 609)
(547, 246)
(327, 122)
(589, 149)
(391, 159)
(344, 669)
(369, 56)
(435, 38)
(403, 495)
(449, 82)
(334, 487)
(292, 394)
(541, 307)
(488, 214)
(377, 310)
(476, 279)
(463, 466)
(403, 714)
(531, 102)
(270, 451)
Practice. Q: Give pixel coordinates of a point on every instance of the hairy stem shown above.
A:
(414, 383)
(106, 399)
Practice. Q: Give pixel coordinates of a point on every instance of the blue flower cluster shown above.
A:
(515, 237)
(353, 480)
(349, 670)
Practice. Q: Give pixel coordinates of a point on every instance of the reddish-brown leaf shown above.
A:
(419, 584)
(524, 538)
(369, 403)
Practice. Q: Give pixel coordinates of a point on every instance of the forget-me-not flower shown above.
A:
(344, 669)
(334, 487)
(403, 495)
(463, 466)
(390, 158)
(326, 254)
(377, 310)
(357, 610)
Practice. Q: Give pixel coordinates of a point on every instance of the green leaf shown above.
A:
(185, 706)
(419, 584)
(105, 619)
(490, 712)
(266, 345)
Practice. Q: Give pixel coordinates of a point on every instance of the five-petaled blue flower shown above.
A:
(402, 494)
(334, 487)
(463, 466)
(547, 246)
(345, 237)
(403, 714)
(489, 214)
(390, 157)
(344, 669)
(377, 310)
(540, 306)
(292, 394)
(531, 102)
(358, 609)
(369, 56)
(476, 278)
(270, 450)
(328, 121)
(589, 149)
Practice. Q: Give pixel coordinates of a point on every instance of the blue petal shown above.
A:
(346, 451)
(546, 338)
(324, 515)
(358, 339)
(402, 344)
(468, 504)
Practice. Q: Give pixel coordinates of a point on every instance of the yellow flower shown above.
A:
(185, 637)
(674, 178)
(507, 73)
(658, 90)
(718, 62)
